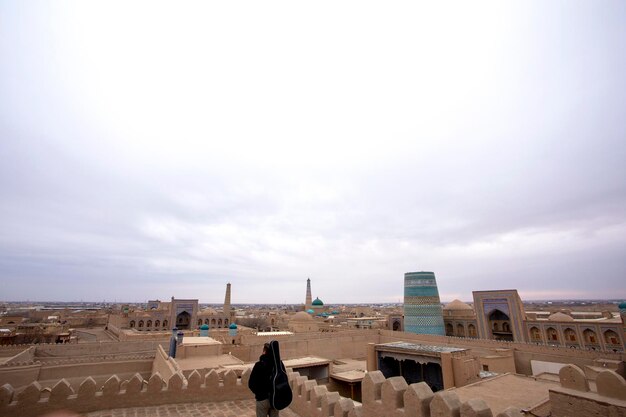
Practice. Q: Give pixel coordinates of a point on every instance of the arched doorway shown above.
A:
(611, 338)
(590, 337)
(182, 320)
(535, 334)
(570, 336)
(552, 336)
(500, 325)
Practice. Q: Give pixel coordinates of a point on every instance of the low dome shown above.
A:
(310, 311)
(457, 305)
(204, 327)
(558, 316)
(301, 316)
(317, 302)
(208, 310)
(622, 305)
(232, 326)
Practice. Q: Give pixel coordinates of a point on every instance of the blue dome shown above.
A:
(317, 302)
(204, 327)
(232, 326)
(622, 305)
(310, 311)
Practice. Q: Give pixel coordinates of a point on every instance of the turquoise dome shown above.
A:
(232, 326)
(204, 327)
(622, 305)
(310, 311)
(317, 302)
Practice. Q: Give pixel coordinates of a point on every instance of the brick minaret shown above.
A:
(309, 299)
(227, 308)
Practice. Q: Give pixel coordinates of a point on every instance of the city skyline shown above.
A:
(351, 144)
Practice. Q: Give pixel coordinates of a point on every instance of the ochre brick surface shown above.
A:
(240, 408)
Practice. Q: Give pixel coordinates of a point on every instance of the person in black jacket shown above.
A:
(260, 384)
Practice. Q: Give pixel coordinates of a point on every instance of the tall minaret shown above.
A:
(227, 308)
(309, 299)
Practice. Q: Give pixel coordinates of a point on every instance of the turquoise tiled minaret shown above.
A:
(422, 307)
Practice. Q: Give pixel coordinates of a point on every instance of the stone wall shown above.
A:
(97, 348)
(27, 356)
(164, 365)
(348, 344)
(135, 392)
(575, 399)
(382, 397)
(53, 361)
(523, 353)
(19, 375)
(77, 369)
(495, 344)
(6, 351)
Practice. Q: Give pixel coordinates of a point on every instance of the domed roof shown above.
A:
(622, 305)
(208, 310)
(232, 326)
(317, 302)
(310, 311)
(457, 305)
(204, 327)
(301, 316)
(558, 316)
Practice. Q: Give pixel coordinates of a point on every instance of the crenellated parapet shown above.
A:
(385, 397)
(115, 393)
(94, 359)
(25, 357)
(574, 398)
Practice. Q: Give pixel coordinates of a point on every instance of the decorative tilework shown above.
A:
(422, 306)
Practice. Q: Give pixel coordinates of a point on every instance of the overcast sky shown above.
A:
(150, 150)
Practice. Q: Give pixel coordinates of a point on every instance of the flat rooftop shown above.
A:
(306, 361)
(508, 390)
(282, 333)
(355, 375)
(207, 362)
(199, 340)
(416, 347)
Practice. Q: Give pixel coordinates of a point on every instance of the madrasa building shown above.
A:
(500, 315)
(160, 316)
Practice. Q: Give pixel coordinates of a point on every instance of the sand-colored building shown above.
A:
(499, 315)
(160, 316)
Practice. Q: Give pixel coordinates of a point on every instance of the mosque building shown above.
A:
(317, 306)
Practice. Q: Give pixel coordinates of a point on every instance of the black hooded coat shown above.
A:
(268, 379)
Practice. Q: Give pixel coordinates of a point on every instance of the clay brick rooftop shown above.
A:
(239, 408)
